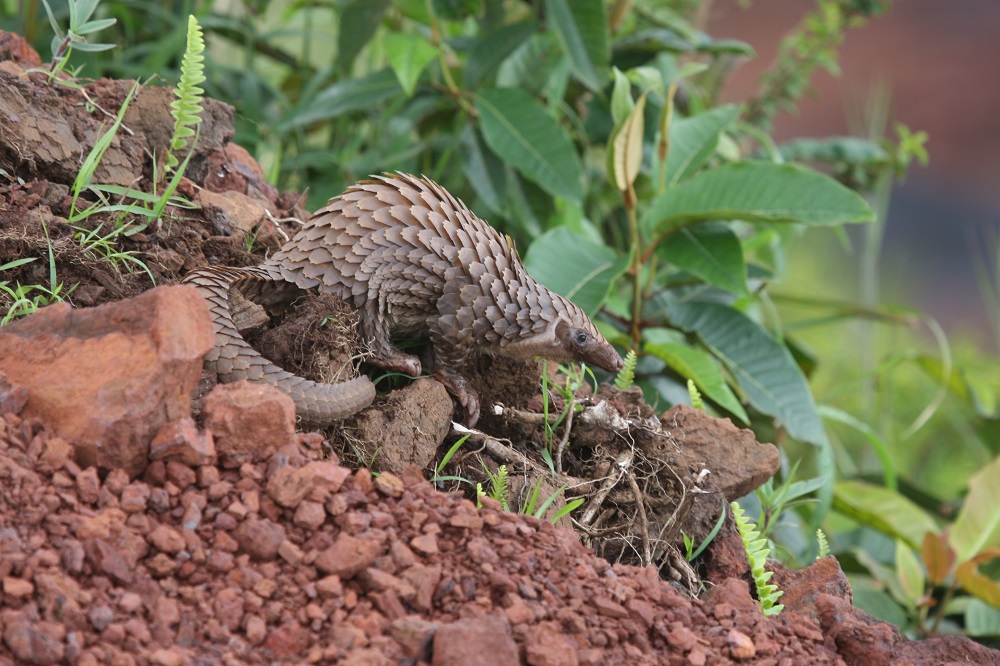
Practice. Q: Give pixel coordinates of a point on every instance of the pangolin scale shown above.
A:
(414, 261)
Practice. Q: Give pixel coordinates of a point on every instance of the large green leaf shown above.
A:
(884, 510)
(693, 140)
(491, 49)
(582, 28)
(977, 527)
(408, 55)
(712, 252)
(483, 170)
(358, 21)
(575, 266)
(698, 366)
(344, 97)
(756, 192)
(765, 370)
(520, 131)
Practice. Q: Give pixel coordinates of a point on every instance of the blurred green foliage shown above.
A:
(592, 132)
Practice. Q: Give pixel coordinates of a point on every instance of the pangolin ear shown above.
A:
(562, 329)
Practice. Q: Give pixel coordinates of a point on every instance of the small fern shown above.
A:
(499, 489)
(824, 545)
(187, 107)
(757, 553)
(625, 377)
(696, 400)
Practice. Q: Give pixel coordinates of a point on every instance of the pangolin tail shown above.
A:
(233, 358)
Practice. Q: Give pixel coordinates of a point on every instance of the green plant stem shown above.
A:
(637, 261)
(942, 609)
(449, 80)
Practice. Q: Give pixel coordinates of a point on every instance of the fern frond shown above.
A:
(824, 545)
(499, 489)
(757, 553)
(625, 376)
(696, 400)
(187, 107)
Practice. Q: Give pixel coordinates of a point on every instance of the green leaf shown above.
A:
(981, 619)
(358, 21)
(493, 48)
(764, 368)
(483, 170)
(345, 97)
(627, 148)
(457, 10)
(977, 527)
(883, 510)
(698, 366)
(408, 55)
(582, 28)
(519, 130)
(910, 575)
(693, 140)
(879, 604)
(575, 267)
(621, 98)
(877, 443)
(757, 192)
(710, 251)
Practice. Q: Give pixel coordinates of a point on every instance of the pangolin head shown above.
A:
(568, 336)
(577, 339)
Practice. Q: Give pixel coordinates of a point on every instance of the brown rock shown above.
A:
(172, 657)
(425, 543)
(167, 539)
(740, 645)
(236, 211)
(609, 608)
(546, 645)
(106, 559)
(55, 453)
(414, 635)
(310, 515)
(180, 440)
(737, 461)
(88, 486)
(18, 587)
(108, 378)
(289, 486)
(409, 426)
(33, 644)
(13, 397)
(485, 641)
(348, 556)
(328, 478)
(803, 586)
(389, 484)
(16, 48)
(289, 640)
(256, 630)
(135, 497)
(228, 607)
(249, 421)
(260, 538)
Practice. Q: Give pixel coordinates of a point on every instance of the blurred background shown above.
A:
(938, 66)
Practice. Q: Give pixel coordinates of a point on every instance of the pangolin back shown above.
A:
(412, 257)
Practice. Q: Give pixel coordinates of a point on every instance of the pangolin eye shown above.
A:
(581, 338)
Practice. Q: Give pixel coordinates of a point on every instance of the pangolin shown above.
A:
(414, 261)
